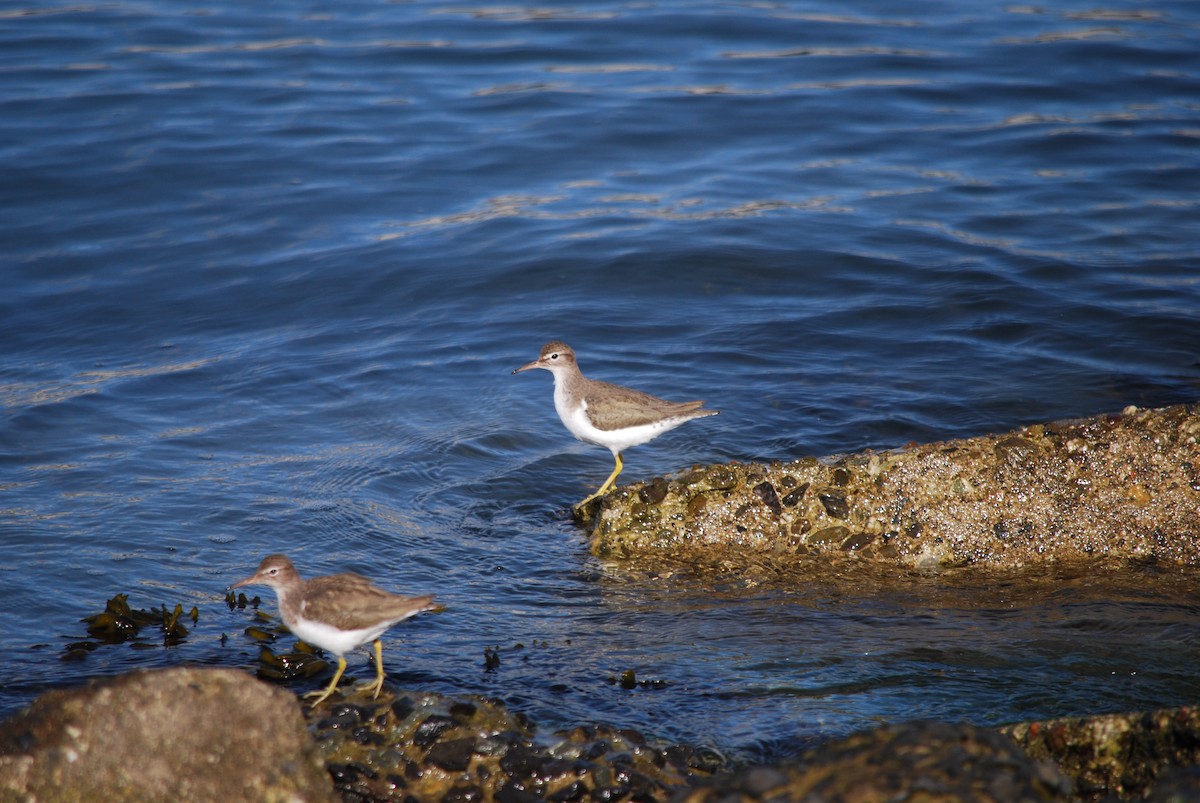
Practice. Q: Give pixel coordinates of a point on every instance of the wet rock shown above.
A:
(840, 476)
(210, 734)
(857, 541)
(1119, 754)
(794, 496)
(173, 734)
(1177, 785)
(453, 755)
(654, 491)
(1015, 450)
(837, 534)
(920, 761)
(835, 504)
(475, 749)
(430, 728)
(766, 492)
(1114, 487)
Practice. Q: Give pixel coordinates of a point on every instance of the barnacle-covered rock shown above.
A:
(1123, 487)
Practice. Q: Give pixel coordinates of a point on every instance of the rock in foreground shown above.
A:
(175, 734)
(219, 735)
(425, 746)
(925, 761)
(1122, 754)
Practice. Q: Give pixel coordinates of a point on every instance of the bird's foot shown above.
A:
(315, 698)
(373, 686)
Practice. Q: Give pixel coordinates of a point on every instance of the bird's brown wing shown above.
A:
(616, 406)
(351, 602)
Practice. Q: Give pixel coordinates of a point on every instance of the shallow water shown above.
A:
(267, 270)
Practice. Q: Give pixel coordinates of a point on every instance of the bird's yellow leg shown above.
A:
(320, 696)
(378, 667)
(608, 483)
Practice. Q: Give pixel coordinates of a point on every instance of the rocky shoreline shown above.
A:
(203, 734)
(1100, 491)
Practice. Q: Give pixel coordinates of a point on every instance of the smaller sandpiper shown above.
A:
(337, 612)
(608, 415)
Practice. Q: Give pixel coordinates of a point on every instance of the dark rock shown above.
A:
(1117, 754)
(463, 711)
(513, 792)
(835, 504)
(837, 534)
(857, 541)
(794, 496)
(920, 761)
(654, 491)
(453, 755)
(1015, 450)
(766, 492)
(402, 707)
(431, 728)
(343, 716)
(1179, 785)
(521, 761)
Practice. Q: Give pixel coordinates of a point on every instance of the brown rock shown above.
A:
(1120, 754)
(926, 761)
(194, 734)
(1116, 487)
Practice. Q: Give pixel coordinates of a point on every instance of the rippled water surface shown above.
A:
(266, 269)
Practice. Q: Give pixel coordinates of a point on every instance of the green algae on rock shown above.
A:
(1121, 486)
(425, 746)
(1118, 754)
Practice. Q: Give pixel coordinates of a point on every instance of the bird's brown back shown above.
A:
(351, 602)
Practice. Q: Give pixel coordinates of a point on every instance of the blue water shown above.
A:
(266, 268)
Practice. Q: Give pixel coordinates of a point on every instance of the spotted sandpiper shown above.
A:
(337, 612)
(605, 414)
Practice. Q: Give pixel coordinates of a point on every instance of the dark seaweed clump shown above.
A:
(119, 623)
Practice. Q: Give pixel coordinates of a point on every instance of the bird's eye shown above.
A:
(554, 356)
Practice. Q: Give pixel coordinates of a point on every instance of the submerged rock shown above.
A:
(173, 734)
(1114, 486)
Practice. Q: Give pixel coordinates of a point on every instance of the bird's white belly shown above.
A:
(616, 441)
(338, 642)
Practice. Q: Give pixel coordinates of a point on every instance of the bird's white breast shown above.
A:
(576, 420)
(330, 638)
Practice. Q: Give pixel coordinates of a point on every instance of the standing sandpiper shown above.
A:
(605, 414)
(337, 612)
